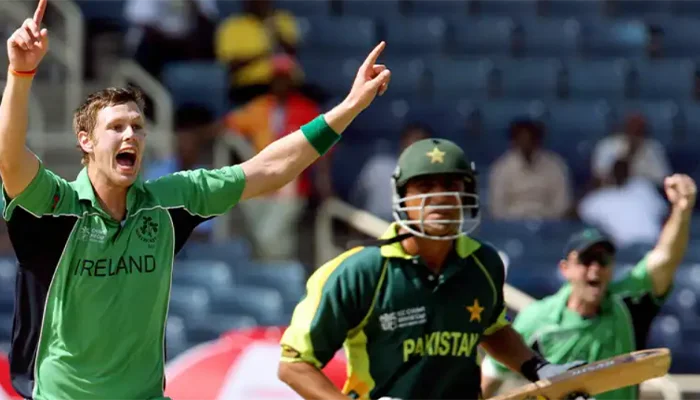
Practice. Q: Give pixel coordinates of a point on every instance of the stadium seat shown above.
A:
(665, 332)
(175, 336)
(288, 278)
(578, 120)
(685, 8)
(683, 303)
(549, 37)
(688, 275)
(689, 126)
(6, 321)
(215, 325)
(537, 280)
(415, 36)
(614, 38)
(530, 79)
(494, 117)
(229, 7)
(639, 8)
(597, 79)
(371, 8)
(106, 11)
(264, 304)
(198, 83)
(383, 120)
(338, 35)
(449, 120)
(488, 36)
(8, 272)
(661, 117)
(438, 7)
(685, 359)
(665, 79)
(7, 297)
(573, 8)
(408, 76)
(232, 251)
(679, 34)
(189, 301)
(347, 162)
(463, 78)
(510, 8)
(332, 74)
(215, 276)
(304, 8)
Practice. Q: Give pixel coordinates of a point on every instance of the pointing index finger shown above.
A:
(374, 55)
(39, 13)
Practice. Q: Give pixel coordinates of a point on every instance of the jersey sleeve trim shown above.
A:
(39, 198)
(296, 342)
(500, 323)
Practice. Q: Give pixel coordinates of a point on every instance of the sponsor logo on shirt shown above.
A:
(96, 235)
(403, 318)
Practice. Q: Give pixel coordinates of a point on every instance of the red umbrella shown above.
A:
(6, 390)
(239, 365)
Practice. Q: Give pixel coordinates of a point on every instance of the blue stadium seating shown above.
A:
(665, 332)
(302, 8)
(686, 8)
(189, 301)
(511, 8)
(332, 74)
(198, 83)
(289, 278)
(639, 8)
(175, 336)
(550, 37)
(439, 7)
(264, 304)
(348, 160)
(408, 76)
(597, 79)
(530, 79)
(229, 7)
(336, 36)
(230, 251)
(495, 116)
(482, 36)
(689, 122)
(423, 36)
(214, 325)
(576, 121)
(573, 8)
(615, 38)
(468, 78)
(678, 36)
(105, 11)
(371, 8)
(6, 321)
(215, 276)
(665, 79)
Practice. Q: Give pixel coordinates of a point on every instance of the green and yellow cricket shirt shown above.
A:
(92, 292)
(407, 333)
(562, 335)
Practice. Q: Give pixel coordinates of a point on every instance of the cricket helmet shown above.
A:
(435, 157)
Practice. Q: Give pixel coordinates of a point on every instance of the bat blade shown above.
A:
(598, 377)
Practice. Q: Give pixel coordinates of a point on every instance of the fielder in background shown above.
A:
(411, 309)
(592, 318)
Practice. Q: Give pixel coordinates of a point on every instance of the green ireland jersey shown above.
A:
(92, 292)
(562, 336)
(406, 332)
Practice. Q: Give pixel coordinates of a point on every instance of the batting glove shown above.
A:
(538, 368)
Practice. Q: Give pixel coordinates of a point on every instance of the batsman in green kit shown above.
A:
(96, 254)
(411, 310)
(593, 317)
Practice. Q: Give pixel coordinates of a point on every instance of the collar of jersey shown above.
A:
(87, 193)
(464, 245)
(562, 298)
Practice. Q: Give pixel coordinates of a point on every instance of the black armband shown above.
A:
(530, 367)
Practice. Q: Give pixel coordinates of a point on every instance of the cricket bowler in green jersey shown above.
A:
(593, 317)
(411, 310)
(96, 254)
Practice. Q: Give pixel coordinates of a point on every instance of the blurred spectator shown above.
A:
(647, 156)
(528, 181)
(628, 208)
(262, 121)
(373, 189)
(655, 43)
(191, 131)
(164, 31)
(248, 42)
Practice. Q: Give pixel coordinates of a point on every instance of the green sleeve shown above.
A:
(47, 194)
(525, 323)
(202, 192)
(637, 283)
(338, 298)
(496, 269)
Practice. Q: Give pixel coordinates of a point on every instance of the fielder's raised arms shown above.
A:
(598, 377)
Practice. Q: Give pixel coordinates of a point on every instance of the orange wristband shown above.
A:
(23, 74)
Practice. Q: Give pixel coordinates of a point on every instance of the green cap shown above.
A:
(431, 157)
(584, 240)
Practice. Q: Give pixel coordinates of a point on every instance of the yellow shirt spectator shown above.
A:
(246, 37)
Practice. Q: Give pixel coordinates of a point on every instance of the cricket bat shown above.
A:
(598, 377)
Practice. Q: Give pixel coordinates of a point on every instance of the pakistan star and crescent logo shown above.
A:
(436, 156)
(475, 311)
(148, 227)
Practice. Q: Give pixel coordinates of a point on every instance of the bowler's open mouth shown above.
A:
(126, 158)
(594, 283)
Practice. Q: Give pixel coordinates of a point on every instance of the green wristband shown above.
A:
(321, 136)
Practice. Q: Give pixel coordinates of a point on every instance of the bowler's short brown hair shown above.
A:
(85, 117)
